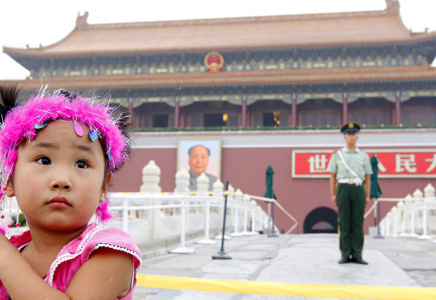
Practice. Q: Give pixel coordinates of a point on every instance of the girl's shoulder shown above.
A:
(95, 237)
(113, 238)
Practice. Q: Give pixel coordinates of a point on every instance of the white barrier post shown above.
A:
(238, 198)
(253, 205)
(429, 193)
(246, 203)
(182, 249)
(230, 191)
(207, 240)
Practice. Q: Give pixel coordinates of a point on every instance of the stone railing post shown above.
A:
(230, 192)
(182, 182)
(150, 184)
(402, 219)
(238, 199)
(202, 184)
(428, 197)
(410, 215)
(150, 178)
(394, 211)
(218, 188)
(417, 206)
(388, 224)
(259, 218)
(429, 192)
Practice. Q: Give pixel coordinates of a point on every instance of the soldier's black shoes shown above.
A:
(358, 260)
(344, 260)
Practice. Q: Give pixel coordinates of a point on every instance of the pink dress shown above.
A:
(77, 252)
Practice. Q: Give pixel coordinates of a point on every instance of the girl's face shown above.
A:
(58, 178)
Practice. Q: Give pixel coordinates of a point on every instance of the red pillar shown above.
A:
(294, 122)
(182, 119)
(132, 117)
(244, 113)
(344, 110)
(398, 117)
(177, 115)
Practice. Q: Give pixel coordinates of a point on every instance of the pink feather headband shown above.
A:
(23, 121)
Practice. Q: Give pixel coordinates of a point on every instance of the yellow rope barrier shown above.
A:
(286, 289)
(270, 200)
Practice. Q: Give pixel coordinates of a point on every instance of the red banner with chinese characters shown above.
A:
(393, 163)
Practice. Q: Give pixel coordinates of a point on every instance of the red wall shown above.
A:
(245, 169)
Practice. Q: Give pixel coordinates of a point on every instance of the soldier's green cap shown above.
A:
(350, 128)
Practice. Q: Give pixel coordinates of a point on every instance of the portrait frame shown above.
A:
(213, 144)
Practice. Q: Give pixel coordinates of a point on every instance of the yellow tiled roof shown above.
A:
(385, 26)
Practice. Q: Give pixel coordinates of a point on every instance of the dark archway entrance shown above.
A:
(321, 220)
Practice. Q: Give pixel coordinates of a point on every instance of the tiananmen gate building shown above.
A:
(269, 88)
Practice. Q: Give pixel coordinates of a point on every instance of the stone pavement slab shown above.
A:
(308, 258)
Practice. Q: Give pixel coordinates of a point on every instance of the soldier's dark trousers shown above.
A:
(351, 207)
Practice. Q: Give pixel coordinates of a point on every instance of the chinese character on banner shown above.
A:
(433, 163)
(393, 163)
(380, 166)
(318, 163)
(405, 162)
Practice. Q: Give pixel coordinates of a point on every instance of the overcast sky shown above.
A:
(35, 22)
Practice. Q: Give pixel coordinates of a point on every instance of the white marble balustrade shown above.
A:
(413, 216)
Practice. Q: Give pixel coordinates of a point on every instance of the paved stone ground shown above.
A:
(308, 258)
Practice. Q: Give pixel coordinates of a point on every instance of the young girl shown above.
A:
(57, 154)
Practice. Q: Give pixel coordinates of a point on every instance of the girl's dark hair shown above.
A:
(9, 94)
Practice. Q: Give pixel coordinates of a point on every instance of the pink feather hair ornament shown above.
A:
(24, 121)
(103, 213)
(3, 230)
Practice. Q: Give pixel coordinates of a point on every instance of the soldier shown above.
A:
(349, 185)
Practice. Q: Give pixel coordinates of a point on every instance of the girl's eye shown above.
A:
(81, 164)
(43, 161)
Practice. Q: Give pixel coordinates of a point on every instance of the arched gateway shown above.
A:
(321, 220)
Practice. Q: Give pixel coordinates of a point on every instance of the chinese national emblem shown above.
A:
(214, 62)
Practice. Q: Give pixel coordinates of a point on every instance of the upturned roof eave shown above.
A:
(392, 10)
(36, 52)
(241, 78)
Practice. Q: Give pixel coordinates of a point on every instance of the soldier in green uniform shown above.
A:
(349, 185)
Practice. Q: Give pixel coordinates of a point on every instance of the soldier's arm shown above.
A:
(333, 188)
(367, 188)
